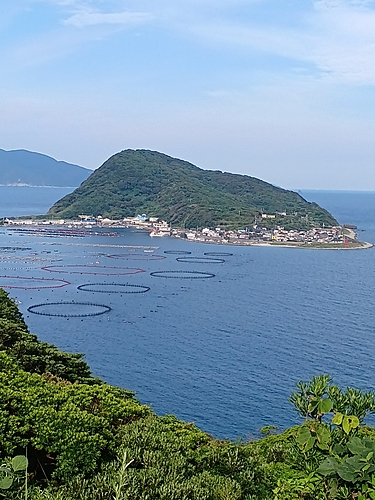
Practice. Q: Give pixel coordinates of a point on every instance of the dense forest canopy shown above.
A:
(87, 440)
(140, 181)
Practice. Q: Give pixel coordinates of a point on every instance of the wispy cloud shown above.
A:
(344, 32)
(80, 13)
(91, 18)
(337, 36)
(71, 25)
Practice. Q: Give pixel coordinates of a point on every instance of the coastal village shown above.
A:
(334, 237)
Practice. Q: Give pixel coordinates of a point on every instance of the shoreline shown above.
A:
(360, 245)
(351, 235)
(351, 242)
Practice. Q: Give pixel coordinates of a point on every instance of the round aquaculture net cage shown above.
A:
(14, 249)
(113, 288)
(200, 260)
(177, 252)
(29, 283)
(69, 309)
(218, 254)
(182, 274)
(30, 259)
(93, 269)
(136, 256)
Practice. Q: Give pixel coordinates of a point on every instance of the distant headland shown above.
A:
(29, 169)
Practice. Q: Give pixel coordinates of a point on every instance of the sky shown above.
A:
(279, 90)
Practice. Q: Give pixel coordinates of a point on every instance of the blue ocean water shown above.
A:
(16, 201)
(223, 352)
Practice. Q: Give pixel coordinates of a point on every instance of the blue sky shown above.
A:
(280, 90)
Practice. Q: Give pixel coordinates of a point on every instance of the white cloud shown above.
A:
(345, 40)
(336, 36)
(56, 41)
(80, 13)
(89, 18)
(327, 4)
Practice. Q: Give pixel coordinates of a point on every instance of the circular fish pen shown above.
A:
(200, 260)
(14, 249)
(28, 283)
(69, 309)
(136, 256)
(218, 254)
(93, 269)
(27, 258)
(177, 252)
(182, 274)
(113, 288)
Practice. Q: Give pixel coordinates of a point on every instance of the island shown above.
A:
(165, 196)
(141, 182)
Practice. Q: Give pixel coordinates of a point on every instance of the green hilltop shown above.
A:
(140, 181)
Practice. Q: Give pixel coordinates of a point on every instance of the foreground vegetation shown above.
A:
(87, 440)
(137, 182)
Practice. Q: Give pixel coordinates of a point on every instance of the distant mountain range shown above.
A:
(148, 182)
(22, 167)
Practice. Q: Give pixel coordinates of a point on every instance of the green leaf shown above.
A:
(323, 434)
(355, 463)
(337, 418)
(6, 483)
(369, 443)
(353, 421)
(328, 466)
(347, 473)
(346, 425)
(324, 437)
(303, 435)
(356, 445)
(325, 406)
(19, 462)
(310, 443)
(323, 446)
(338, 449)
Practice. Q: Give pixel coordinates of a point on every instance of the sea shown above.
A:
(218, 335)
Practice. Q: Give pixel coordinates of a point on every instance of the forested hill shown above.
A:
(140, 181)
(35, 169)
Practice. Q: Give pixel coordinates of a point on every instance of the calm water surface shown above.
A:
(223, 352)
(17, 201)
